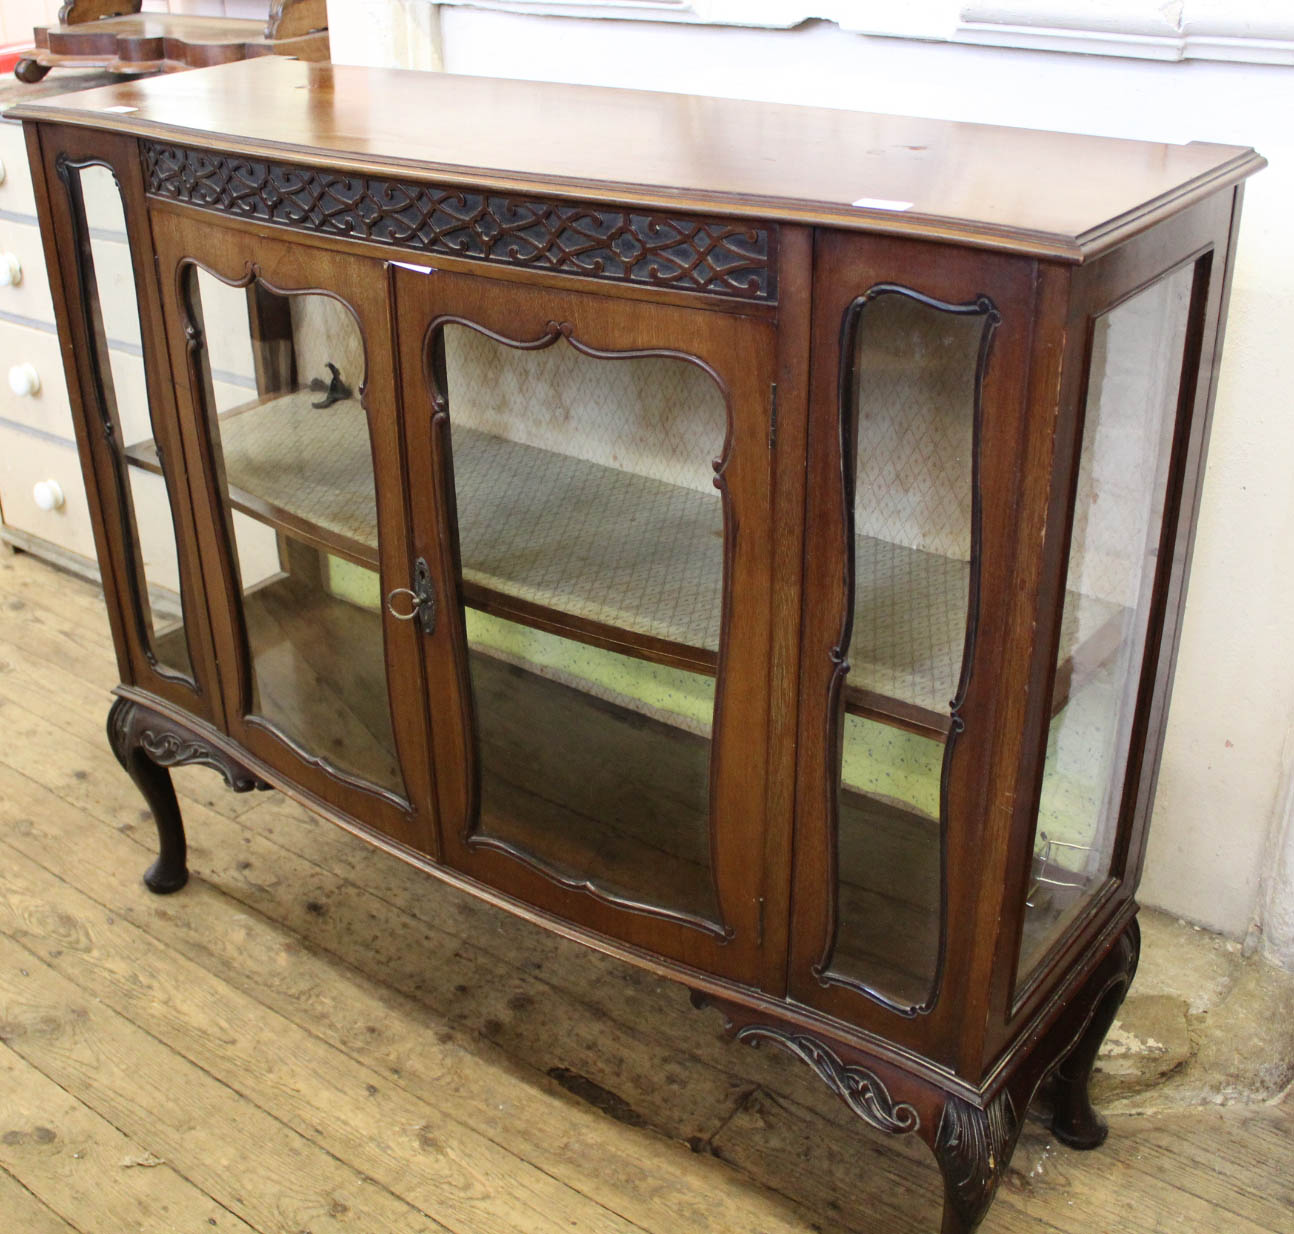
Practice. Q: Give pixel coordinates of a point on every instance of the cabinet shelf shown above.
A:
(909, 636)
(652, 590)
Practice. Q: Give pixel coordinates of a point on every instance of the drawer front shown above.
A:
(29, 295)
(46, 408)
(49, 409)
(16, 194)
(26, 460)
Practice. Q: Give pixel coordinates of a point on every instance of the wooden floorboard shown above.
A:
(313, 1036)
(77, 1164)
(27, 1212)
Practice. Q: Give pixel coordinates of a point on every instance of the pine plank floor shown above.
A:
(311, 1037)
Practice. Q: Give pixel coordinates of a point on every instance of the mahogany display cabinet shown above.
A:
(750, 540)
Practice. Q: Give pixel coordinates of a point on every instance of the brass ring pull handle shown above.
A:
(414, 606)
(420, 598)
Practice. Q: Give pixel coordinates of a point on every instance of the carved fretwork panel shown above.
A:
(644, 248)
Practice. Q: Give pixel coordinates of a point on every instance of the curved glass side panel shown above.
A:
(909, 401)
(112, 316)
(1134, 382)
(282, 376)
(591, 535)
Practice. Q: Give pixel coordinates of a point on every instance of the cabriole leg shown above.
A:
(1074, 1120)
(170, 871)
(148, 745)
(973, 1147)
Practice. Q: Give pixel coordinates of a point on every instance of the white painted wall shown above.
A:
(1220, 814)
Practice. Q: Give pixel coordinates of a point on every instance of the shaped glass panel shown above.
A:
(591, 543)
(910, 392)
(295, 465)
(112, 312)
(1134, 382)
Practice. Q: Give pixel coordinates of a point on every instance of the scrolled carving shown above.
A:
(861, 1090)
(147, 745)
(168, 749)
(646, 248)
(168, 744)
(973, 1146)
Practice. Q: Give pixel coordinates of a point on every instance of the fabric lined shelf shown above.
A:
(611, 557)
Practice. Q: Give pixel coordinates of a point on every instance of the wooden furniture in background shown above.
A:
(749, 540)
(43, 506)
(116, 36)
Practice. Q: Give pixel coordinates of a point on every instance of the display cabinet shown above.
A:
(749, 540)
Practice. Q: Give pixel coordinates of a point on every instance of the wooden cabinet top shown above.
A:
(1056, 195)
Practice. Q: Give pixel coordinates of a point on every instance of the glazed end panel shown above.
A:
(1160, 296)
(96, 230)
(1121, 518)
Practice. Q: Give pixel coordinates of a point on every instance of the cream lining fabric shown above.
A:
(608, 545)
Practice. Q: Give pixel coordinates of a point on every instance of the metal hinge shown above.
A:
(759, 930)
(772, 416)
(422, 598)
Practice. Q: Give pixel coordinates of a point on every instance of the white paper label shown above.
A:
(882, 203)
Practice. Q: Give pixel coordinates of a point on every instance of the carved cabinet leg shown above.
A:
(1074, 1120)
(972, 1143)
(147, 745)
(973, 1147)
(153, 779)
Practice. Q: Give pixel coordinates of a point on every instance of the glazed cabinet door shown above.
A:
(284, 376)
(95, 228)
(916, 451)
(590, 479)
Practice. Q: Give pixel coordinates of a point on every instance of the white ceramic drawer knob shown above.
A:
(10, 269)
(24, 379)
(48, 494)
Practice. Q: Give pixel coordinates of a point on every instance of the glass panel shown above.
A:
(148, 526)
(913, 387)
(1133, 386)
(914, 401)
(296, 466)
(591, 543)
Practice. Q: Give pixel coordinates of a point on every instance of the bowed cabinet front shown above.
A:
(778, 593)
(525, 663)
